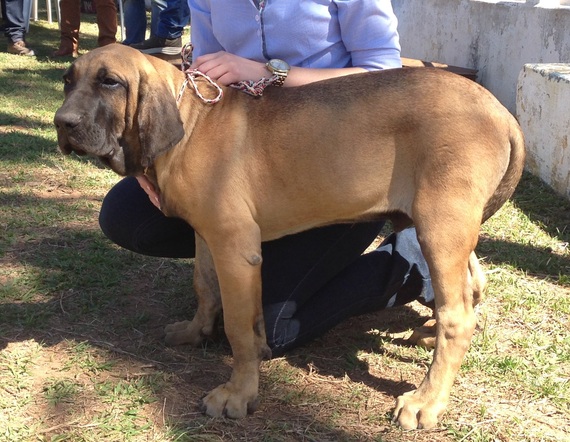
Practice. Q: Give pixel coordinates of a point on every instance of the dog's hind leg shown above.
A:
(425, 335)
(447, 247)
(209, 302)
(477, 279)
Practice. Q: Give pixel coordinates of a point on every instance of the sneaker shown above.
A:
(159, 45)
(19, 48)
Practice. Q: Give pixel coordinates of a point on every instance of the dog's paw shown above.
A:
(412, 412)
(185, 332)
(424, 336)
(225, 400)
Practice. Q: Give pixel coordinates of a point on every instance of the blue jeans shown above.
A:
(174, 16)
(135, 20)
(311, 280)
(16, 14)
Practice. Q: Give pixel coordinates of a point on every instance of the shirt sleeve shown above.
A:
(369, 32)
(201, 32)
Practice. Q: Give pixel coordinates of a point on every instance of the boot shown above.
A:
(106, 21)
(19, 48)
(70, 11)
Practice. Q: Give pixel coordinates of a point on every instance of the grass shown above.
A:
(81, 352)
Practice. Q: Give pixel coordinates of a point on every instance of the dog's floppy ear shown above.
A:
(159, 122)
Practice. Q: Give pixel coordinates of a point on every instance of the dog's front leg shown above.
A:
(238, 264)
(209, 302)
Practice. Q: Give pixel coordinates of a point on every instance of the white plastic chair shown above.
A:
(48, 10)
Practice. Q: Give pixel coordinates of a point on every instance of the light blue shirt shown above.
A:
(306, 33)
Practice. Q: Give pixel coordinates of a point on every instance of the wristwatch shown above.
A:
(280, 69)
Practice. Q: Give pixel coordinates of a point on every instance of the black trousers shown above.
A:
(311, 281)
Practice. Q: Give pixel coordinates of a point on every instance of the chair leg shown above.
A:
(58, 13)
(121, 19)
(48, 9)
(35, 10)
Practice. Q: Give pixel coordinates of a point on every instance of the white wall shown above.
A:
(542, 110)
(502, 40)
(495, 37)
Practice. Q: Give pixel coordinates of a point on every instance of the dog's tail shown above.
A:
(513, 173)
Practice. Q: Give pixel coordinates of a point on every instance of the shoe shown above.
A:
(65, 52)
(68, 44)
(19, 48)
(159, 45)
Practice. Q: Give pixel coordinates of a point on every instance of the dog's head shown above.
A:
(118, 107)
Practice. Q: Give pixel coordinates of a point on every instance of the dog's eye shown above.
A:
(110, 82)
(67, 84)
(67, 80)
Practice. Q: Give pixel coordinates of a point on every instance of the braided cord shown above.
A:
(253, 88)
(192, 74)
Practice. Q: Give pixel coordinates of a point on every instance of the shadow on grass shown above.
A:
(79, 286)
(544, 207)
(30, 142)
(551, 213)
(75, 285)
(45, 82)
(346, 341)
(537, 262)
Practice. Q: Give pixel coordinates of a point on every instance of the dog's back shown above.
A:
(363, 146)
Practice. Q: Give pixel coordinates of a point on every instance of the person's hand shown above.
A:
(225, 68)
(148, 187)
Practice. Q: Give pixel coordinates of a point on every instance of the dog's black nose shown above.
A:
(66, 120)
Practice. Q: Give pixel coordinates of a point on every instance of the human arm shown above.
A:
(233, 41)
(226, 68)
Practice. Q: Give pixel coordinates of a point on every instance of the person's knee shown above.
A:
(115, 215)
(108, 220)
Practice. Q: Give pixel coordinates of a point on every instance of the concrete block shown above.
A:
(543, 111)
(494, 37)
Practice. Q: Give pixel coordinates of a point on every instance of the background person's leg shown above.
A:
(16, 17)
(135, 21)
(173, 18)
(106, 21)
(70, 11)
(166, 37)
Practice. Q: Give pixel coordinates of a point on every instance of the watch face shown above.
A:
(279, 65)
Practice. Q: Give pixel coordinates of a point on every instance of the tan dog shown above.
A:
(412, 145)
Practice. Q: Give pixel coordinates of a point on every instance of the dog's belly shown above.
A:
(277, 220)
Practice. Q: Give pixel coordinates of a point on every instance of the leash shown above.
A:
(192, 74)
(254, 88)
(250, 87)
